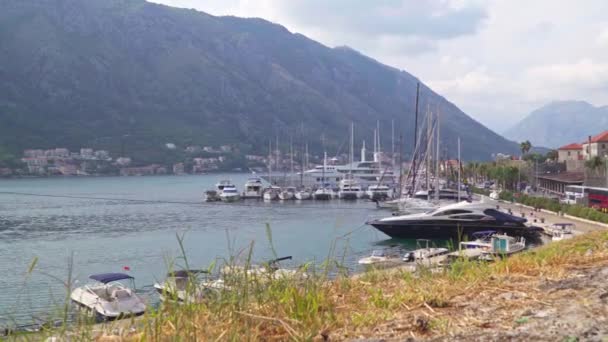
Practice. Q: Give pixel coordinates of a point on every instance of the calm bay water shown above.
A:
(106, 235)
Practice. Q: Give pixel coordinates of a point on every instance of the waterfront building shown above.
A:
(596, 146)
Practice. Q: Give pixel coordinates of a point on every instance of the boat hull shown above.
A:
(447, 229)
(322, 197)
(348, 195)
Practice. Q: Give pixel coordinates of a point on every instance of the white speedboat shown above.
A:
(271, 193)
(349, 189)
(184, 286)
(424, 254)
(268, 271)
(303, 194)
(474, 249)
(323, 194)
(559, 231)
(108, 298)
(379, 192)
(382, 258)
(253, 188)
(287, 193)
(212, 196)
(229, 193)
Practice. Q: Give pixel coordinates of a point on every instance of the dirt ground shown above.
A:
(573, 308)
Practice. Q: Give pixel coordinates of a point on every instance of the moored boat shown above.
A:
(303, 194)
(229, 193)
(287, 193)
(108, 298)
(455, 221)
(253, 188)
(185, 286)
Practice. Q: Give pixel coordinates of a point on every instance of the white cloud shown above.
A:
(602, 38)
(584, 74)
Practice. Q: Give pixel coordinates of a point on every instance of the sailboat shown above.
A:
(271, 192)
(324, 192)
(349, 188)
(289, 193)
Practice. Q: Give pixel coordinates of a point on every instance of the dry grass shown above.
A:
(393, 304)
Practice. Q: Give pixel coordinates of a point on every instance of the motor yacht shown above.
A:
(229, 193)
(444, 194)
(378, 192)
(349, 189)
(287, 193)
(108, 298)
(253, 188)
(303, 194)
(455, 221)
(185, 286)
(323, 194)
(271, 193)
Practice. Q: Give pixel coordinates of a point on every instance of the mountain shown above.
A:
(132, 75)
(560, 123)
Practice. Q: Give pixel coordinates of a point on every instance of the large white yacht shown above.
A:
(365, 172)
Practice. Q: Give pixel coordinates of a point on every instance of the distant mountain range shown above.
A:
(560, 123)
(132, 75)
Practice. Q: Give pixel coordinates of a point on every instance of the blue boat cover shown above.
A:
(109, 277)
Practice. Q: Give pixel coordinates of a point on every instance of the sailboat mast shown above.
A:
(459, 163)
(291, 160)
(352, 147)
(393, 141)
(437, 160)
(400, 165)
(427, 152)
(270, 161)
(413, 167)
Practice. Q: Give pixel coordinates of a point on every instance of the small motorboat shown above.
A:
(229, 193)
(287, 193)
(424, 254)
(382, 258)
(108, 298)
(303, 194)
(559, 231)
(474, 249)
(270, 270)
(212, 196)
(504, 245)
(185, 286)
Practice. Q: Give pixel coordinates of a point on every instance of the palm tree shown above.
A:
(525, 147)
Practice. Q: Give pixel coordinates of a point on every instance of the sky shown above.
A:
(497, 60)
